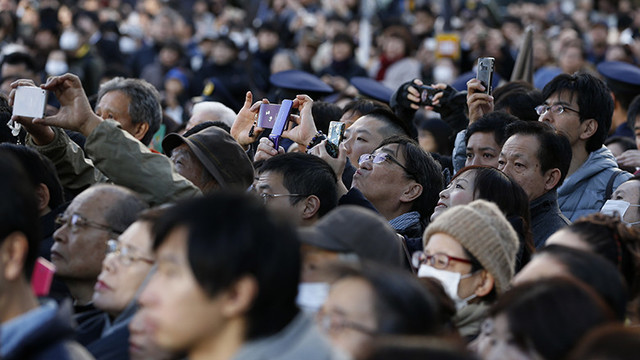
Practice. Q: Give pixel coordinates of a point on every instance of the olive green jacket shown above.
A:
(116, 157)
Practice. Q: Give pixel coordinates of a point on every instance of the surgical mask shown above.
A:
(56, 67)
(443, 74)
(450, 281)
(127, 45)
(69, 41)
(311, 296)
(619, 207)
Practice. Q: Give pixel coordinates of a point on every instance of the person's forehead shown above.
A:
(524, 145)
(565, 97)
(114, 100)
(629, 186)
(367, 122)
(483, 138)
(137, 236)
(271, 180)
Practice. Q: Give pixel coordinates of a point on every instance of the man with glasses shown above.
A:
(402, 181)
(580, 106)
(96, 215)
(301, 187)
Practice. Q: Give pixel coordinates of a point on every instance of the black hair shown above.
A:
(230, 236)
(307, 175)
(20, 58)
(593, 98)
(595, 271)
(625, 142)
(554, 151)
(519, 99)
(530, 308)
(394, 125)
(40, 170)
(361, 106)
(424, 170)
(493, 185)
(323, 113)
(494, 122)
(402, 305)
(18, 208)
(620, 244)
(419, 348)
(633, 112)
(613, 341)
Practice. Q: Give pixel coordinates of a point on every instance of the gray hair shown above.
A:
(125, 206)
(218, 111)
(144, 102)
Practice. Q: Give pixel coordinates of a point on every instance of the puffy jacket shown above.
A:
(584, 191)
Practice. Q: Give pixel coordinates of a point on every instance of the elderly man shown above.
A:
(98, 214)
(538, 159)
(580, 106)
(125, 161)
(210, 111)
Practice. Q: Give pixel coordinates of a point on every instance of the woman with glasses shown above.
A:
(128, 262)
(487, 183)
(471, 249)
(370, 301)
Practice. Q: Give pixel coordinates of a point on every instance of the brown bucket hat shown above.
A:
(219, 153)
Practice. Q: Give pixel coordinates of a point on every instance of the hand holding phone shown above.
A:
(485, 73)
(282, 120)
(334, 138)
(29, 101)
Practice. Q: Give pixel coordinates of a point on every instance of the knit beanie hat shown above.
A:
(482, 229)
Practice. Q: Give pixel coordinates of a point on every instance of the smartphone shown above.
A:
(42, 277)
(485, 73)
(30, 101)
(282, 120)
(426, 94)
(334, 138)
(267, 115)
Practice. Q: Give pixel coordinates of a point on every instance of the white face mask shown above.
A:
(56, 67)
(311, 296)
(127, 45)
(450, 281)
(69, 41)
(617, 207)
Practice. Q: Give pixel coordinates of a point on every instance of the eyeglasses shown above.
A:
(123, 253)
(381, 157)
(337, 323)
(437, 260)
(266, 197)
(556, 109)
(76, 221)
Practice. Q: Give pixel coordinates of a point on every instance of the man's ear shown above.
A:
(141, 130)
(589, 127)
(14, 251)
(486, 285)
(551, 178)
(237, 300)
(43, 196)
(411, 192)
(311, 207)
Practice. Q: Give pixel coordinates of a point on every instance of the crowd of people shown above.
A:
(152, 212)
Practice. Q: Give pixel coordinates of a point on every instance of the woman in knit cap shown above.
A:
(471, 249)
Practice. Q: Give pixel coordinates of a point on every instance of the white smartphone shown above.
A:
(29, 101)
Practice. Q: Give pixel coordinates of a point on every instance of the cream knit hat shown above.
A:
(483, 230)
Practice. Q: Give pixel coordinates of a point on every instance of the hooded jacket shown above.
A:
(584, 191)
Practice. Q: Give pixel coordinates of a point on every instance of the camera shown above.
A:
(30, 101)
(426, 94)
